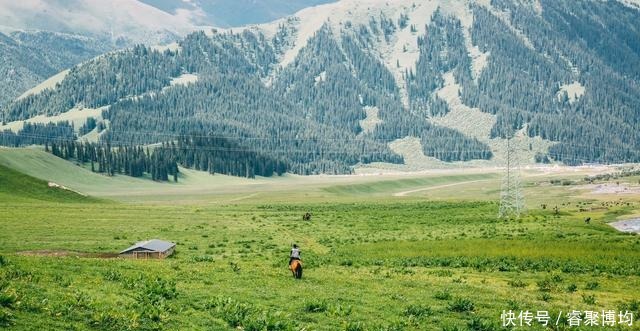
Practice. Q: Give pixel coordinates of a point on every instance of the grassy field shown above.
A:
(433, 259)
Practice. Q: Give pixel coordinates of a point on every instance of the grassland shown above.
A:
(431, 260)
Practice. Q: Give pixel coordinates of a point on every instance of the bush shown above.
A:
(234, 266)
(112, 275)
(315, 306)
(6, 317)
(3, 261)
(517, 283)
(592, 285)
(572, 288)
(589, 299)
(354, 326)
(478, 324)
(545, 285)
(7, 299)
(417, 311)
(545, 296)
(461, 305)
(247, 317)
(340, 310)
(442, 295)
(631, 306)
(203, 258)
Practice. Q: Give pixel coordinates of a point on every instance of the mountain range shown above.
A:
(367, 82)
(41, 38)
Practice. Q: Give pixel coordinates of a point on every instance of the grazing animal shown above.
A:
(296, 269)
(306, 217)
(587, 220)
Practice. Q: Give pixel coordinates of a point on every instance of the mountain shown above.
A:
(32, 31)
(359, 82)
(222, 13)
(122, 21)
(27, 59)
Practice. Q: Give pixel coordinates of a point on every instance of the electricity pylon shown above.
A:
(511, 198)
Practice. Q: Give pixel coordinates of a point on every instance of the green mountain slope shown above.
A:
(18, 187)
(295, 93)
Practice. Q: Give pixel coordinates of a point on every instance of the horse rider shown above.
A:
(295, 254)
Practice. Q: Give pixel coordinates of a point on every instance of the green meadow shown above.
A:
(434, 260)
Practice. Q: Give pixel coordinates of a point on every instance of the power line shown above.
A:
(511, 197)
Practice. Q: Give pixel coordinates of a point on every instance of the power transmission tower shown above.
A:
(511, 198)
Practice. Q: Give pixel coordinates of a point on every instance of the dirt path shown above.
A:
(64, 253)
(405, 193)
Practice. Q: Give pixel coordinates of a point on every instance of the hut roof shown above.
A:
(153, 245)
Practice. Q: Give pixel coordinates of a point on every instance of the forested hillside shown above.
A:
(293, 95)
(28, 58)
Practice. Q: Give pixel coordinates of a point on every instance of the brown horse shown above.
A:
(296, 268)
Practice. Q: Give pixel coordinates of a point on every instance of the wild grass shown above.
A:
(410, 265)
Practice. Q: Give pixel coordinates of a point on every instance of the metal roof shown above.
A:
(154, 245)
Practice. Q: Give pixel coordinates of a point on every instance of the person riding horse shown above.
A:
(295, 254)
(295, 265)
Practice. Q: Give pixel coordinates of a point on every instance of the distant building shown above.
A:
(150, 249)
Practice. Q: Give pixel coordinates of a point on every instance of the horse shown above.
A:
(296, 268)
(306, 217)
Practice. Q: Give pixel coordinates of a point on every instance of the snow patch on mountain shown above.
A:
(172, 47)
(574, 91)
(371, 121)
(321, 78)
(400, 53)
(470, 121)
(77, 116)
(184, 79)
(631, 3)
(475, 123)
(119, 19)
(47, 84)
(462, 11)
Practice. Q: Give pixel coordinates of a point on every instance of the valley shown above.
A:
(419, 251)
(463, 165)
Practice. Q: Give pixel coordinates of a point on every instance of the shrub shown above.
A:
(203, 258)
(417, 311)
(112, 275)
(592, 285)
(346, 263)
(6, 317)
(513, 304)
(399, 325)
(517, 283)
(631, 306)
(268, 321)
(545, 296)
(247, 317)
(545, 285)
(319, 306)
(589, 299)
(3, 261)
(234, 266)
(7, 299)
(340, 310)
(354, 326)
(442, 295)
(461, 305)
(478, 324)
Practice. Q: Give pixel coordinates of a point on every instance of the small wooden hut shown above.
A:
(150, 249)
